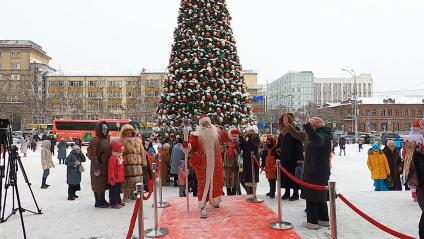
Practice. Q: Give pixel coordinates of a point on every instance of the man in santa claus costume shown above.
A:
(204, 146)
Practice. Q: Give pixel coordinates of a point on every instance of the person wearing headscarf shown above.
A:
(289, 150)
(395, 165)
(249, 143)
(61, 151)
(317, 171)
(74, 169)
(101, 150)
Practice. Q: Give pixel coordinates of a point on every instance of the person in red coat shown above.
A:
(116, 174)
(268, 162)
(204, 145)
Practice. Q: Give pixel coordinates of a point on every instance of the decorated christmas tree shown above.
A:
(204, 72)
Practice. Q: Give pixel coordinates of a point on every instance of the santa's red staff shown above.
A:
(205, 147)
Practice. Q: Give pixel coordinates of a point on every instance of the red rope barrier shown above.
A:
(149, 189)
(133, 218)
(303, 183)
(257, 163)
(372, 221)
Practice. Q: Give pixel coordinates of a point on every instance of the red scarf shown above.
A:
(230, 149)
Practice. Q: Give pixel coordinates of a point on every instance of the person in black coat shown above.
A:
(290, 152)
(395, 165)
(317, 171)
(250, 143)
(342, 145)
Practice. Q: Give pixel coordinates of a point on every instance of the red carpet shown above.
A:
(236, 218)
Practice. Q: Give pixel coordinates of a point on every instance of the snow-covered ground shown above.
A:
(79, 219)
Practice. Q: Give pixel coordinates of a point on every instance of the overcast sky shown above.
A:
(381, 37)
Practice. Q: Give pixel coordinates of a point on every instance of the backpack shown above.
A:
(90, 153)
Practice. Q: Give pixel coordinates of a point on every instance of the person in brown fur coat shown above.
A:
(165, 163)
(135, 162)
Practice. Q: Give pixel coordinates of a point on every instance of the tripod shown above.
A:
(14, 164)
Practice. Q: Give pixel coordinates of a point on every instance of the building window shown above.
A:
(406, 113)
(383, 112)
(420, 113)
(413, 112)
(384, 126)
(15, 77)
(407, 127)
(15, 66)
(15, 55)
(396, 112)
(389, 112)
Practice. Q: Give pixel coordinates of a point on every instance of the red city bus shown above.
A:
(70, 130)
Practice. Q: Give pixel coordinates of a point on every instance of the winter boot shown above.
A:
(295, 195)
(43, 183)
(203, 213)
(70, 193)
(98, 203)
(286, 194)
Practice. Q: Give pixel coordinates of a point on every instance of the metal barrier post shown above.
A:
(254, 199)
(161, 203)
(333, 221)
(139, 188)
(156, 231)
(280, 224)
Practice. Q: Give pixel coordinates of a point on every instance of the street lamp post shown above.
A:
(355, 115)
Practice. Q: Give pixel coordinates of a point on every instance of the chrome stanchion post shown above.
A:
(186, 133)
(139, 187)
(280, 224)
(156, 231)
(161, 203)
(333, 221)
(254, 199)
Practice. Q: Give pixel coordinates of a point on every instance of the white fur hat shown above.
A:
(252, 127)
(203, 119)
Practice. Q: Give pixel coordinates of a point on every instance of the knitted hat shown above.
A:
(416, 124)
(376, 146)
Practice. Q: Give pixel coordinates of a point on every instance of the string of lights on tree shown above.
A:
(204, 72)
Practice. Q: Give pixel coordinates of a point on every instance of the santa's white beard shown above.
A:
(209, 139)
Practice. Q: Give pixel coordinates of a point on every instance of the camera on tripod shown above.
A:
(9, 173)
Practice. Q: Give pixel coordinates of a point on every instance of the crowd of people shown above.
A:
(221, 158)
